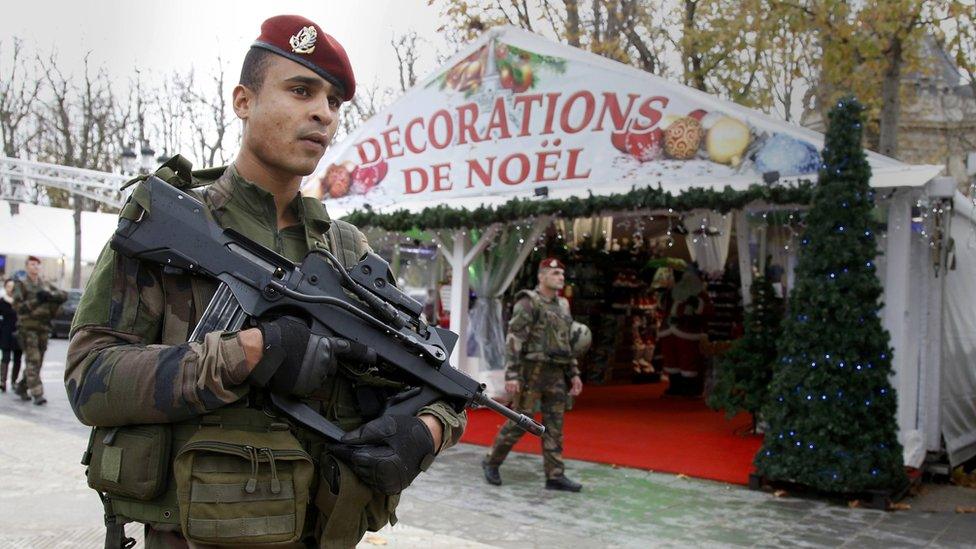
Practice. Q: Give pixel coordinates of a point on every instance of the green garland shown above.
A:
(445, 217)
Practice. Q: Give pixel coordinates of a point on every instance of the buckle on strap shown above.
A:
(115, 537)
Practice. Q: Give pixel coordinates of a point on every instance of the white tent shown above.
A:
(49, 233)
(514, 115)
(956, 390)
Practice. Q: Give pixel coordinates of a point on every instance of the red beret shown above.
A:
(305, 43)
(551, 263)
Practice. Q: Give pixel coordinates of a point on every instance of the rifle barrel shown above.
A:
(523, 421)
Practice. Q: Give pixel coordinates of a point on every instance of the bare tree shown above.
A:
(78, 127)
(369, 100)
(168, 118)
(19, 86)
(405, 48)
(207, 115)
(18, 96)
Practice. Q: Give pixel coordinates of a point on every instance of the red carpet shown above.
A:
(632, 426)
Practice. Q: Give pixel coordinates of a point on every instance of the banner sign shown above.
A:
(520, 113)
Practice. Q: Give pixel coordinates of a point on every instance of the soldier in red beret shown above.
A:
(250, 476)
(539, 368)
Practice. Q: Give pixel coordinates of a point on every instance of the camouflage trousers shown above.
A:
(34, 345)
(544, 387)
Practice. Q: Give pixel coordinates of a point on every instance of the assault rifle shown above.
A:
(362, 304)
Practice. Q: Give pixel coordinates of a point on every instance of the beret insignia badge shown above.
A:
(304, 40)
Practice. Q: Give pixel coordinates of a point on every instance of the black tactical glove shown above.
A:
(43, 296)
(388, 452)
(297, 362)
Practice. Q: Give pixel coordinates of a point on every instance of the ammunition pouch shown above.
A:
(243, 484)
(131, 461)
(206, 489)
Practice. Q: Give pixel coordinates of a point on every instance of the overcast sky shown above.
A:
(162, 36)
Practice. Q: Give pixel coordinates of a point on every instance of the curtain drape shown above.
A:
(709, 234)
(491, 275)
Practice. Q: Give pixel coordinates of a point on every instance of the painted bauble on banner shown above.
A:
(682, 138)
(644, 145)
(727, 140)
(367, 176)
(787, 155)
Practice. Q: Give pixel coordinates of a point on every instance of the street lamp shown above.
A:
(147, 156)
(129, 161)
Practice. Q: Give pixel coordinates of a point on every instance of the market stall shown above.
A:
(518, 138)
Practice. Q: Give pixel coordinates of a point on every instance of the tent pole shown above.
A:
(930, 405)
(460, 257)
(742, 249)
(896, 296)
(460, 284)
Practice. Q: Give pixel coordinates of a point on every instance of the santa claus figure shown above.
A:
(681, 335)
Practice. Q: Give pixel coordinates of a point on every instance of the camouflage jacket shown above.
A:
(538, 332)
(32, 313)
(129, 361)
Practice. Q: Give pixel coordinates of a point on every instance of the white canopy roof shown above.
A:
(49, 232)
(513, 112)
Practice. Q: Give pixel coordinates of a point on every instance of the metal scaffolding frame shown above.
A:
(16, 174)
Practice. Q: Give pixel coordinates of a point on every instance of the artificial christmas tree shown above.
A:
(831, 408)
(743, 374)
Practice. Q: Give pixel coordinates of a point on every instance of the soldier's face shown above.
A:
(291, 120)
(33, 267)
(553, 279)
(8, 287)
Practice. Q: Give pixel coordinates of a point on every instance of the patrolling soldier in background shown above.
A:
(539, 362)
(233, 469)
(36, 301)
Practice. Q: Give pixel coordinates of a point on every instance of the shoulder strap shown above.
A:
(179, 172)
(536, 302)
(347, 242)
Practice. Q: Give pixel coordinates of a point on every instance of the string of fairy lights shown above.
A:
(631, 229)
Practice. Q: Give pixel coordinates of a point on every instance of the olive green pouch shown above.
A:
(130, 461)
(243, 486)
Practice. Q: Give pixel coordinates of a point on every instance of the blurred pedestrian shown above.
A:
(9, 346)
(36, 301)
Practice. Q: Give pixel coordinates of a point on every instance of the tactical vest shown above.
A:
(38, 319)
(237, 475)
(549, 338)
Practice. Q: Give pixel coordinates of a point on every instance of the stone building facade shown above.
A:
(938, 118)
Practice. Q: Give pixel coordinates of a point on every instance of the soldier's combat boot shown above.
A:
(21, 390)
(492, 476)
(40, 400)
(564, 484)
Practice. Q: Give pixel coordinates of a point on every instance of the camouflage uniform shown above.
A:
(34, 326)
(539, 357)
(129, 361)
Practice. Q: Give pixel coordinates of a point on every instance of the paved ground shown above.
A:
(45, 502)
